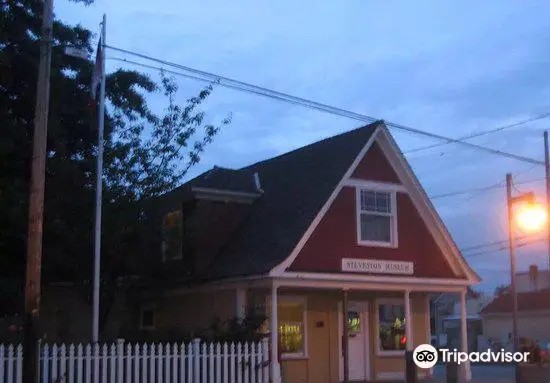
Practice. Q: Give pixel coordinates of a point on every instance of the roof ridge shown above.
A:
(308, 146)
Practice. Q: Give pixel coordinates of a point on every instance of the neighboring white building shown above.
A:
(533, 288)
(532, 280)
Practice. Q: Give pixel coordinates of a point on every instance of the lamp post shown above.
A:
(531, 218)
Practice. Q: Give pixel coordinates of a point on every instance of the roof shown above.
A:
(527, 301)
(296, 185)
(226, 179)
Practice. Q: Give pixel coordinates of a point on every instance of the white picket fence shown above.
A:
(194, 362)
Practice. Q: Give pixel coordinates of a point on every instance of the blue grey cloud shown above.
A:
(447, 67)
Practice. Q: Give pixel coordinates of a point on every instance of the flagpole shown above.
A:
(99, 187)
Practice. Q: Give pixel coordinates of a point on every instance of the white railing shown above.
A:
(193, 362)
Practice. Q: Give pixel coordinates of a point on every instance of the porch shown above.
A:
(383, 320)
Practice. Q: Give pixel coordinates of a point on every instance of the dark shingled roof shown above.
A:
(296, 185)
(527, 301)
(226, 179)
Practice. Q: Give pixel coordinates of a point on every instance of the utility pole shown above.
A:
(36, 199)
(99, 187)
(547, 169)
(511, 243)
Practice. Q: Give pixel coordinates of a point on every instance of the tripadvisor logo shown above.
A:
(426, 356)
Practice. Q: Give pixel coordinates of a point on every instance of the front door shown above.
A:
(358, 341)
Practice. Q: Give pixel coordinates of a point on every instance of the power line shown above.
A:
(505, 248)
(492, 187)
(482, 133)
(483, 189)
(246, 87)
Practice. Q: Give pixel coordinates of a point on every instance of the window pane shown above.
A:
(383, 204)
(368, 200)
(172, 241)
(354, 322)
(376, 201)
(291, 327)
(392, 327)
(375, 228)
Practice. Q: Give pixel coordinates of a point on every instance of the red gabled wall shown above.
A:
(375, 167)
(335, 237)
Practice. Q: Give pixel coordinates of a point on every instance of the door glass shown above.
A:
(354, 322)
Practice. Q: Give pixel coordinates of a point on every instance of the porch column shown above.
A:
(275, 367)
(345, 336)
(408, 321)
(464, 334)
(241, 303)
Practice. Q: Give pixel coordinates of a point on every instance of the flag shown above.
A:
(97, 74)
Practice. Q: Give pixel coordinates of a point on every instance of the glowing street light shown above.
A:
(532, 217)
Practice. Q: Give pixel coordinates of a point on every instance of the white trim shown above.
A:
(343, 277)
(144, 307)
(280, 268)
(425, 207)
(228, 193)
(393, 243)
(428, 325)
(372, 286)
(374, 185)
(389, 301)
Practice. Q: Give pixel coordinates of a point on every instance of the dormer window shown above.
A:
(376, 218)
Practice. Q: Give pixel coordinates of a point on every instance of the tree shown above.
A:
(143, 153)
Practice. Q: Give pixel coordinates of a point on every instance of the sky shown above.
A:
(451, 68)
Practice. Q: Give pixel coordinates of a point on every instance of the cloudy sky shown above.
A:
(450, 67)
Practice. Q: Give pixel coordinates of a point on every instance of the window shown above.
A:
(354, 322)
(172, 236)
(376, 218)
(391, 326)
(147, 319)
(291, 313)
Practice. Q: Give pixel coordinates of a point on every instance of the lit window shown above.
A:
(354, 322)
(147, 320)
(376, 217)
(172, 236)
(391, 327)
(291, 326)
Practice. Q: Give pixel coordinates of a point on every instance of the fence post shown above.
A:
(265, 359)
(197, 360)
(38, 356)
(120, 360)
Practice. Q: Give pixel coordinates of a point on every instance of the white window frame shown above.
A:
(292, 299)
(393, 243)
(378, 303)
(144, 307)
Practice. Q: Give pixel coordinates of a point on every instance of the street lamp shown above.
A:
(530, 217)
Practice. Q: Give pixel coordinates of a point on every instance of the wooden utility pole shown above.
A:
(547, 172)
(36, 202)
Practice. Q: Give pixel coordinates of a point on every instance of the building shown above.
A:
(533, 288)
(336, 232)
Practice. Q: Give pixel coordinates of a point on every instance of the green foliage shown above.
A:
(238, 330)
(146, 154)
